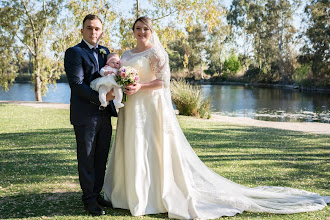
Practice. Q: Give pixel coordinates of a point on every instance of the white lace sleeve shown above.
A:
(160, 66)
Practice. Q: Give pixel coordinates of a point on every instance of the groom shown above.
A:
(92, 125)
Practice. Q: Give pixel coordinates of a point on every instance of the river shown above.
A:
(269, 104)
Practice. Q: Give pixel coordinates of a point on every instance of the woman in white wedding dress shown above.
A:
(153, 169)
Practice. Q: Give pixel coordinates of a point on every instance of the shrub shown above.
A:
(188, 99)
(303, 75)
(232, 65)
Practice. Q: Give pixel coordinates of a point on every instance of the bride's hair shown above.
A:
(145, 20)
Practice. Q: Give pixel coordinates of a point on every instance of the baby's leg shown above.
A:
(103, 90)
(118, 97)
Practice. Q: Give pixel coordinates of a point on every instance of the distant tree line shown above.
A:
(253, 41)
(258, 40)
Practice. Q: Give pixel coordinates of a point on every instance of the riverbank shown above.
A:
(308, 127)
(262, 85)
(63, 79)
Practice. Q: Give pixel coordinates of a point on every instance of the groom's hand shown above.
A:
(110, 96)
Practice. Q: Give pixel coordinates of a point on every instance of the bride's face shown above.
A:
(142, 32)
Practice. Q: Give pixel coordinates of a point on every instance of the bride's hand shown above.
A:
(132, 88)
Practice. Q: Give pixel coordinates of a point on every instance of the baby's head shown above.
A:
(113, 60)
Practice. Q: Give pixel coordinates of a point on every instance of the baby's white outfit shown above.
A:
(104, 84)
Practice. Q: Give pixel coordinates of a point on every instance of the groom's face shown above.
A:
(92, 31)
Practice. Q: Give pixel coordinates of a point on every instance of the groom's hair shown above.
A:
(91, 17)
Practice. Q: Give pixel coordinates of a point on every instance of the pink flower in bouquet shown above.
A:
(127, 75)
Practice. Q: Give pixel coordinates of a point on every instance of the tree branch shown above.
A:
(28, 47)
(170, 13)
(29, 16)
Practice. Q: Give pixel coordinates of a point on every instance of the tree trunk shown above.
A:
(37, 80)
(37, 86)
(137, 9)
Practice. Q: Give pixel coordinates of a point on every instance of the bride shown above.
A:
(153, 169)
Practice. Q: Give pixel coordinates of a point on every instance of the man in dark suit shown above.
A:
(92, 125)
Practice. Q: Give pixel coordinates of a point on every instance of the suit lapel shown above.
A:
(89, 52)
(101, 59)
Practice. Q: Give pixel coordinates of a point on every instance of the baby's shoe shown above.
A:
(119, 105)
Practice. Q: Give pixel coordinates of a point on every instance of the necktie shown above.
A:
(96, 52)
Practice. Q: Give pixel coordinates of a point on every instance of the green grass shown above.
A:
(38, 168)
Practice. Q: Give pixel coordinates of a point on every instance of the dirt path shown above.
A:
(38, 104)
(309, 127)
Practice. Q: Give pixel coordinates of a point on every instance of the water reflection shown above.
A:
(244, 101)
(269, 104)
(25, 92)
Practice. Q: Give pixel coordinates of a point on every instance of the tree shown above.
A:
(316, 48)
(7, 68)
(177, 52)
(78, 9)
(30, 23)
(196, 44)
(218, 39)
(269, 24)
(172, 19)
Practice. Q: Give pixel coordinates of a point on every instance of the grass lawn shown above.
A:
(38, 168)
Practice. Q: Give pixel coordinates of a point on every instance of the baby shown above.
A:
(107, 82)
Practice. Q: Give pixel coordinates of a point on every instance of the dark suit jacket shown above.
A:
(81, 68)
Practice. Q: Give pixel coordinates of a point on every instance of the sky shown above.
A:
(126, 5)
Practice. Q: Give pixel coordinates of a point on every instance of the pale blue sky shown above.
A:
(126, 5)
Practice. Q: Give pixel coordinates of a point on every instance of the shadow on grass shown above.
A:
(67, 205)
(50, 154)
(30, 157)
(265, 155)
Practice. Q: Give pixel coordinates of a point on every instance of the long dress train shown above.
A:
(153, 169)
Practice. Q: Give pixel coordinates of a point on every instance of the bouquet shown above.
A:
(126, 75)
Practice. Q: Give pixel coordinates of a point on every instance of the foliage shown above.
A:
(303, 75)
(188, 99)
(269, 25)
(177, 52)
(317, 45)
(196, 44)
(39, 177)
(187, 51)
(254, 74)
(189, 12)
(31, 23)
(215, 48)
(34, 35)
(231, 64)
(7, 68)
(77, 10)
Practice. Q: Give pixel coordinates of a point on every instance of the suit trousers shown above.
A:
(93, 144)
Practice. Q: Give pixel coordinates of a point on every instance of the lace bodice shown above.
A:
(151, 64)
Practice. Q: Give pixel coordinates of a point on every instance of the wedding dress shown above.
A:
(153, 169)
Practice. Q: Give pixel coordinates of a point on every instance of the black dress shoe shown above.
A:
(103, 202)
(94, 208)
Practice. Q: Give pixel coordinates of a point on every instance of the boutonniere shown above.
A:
(103, 52)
